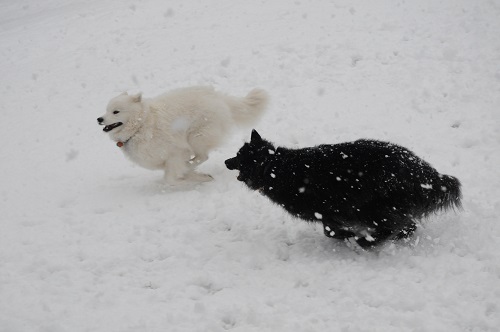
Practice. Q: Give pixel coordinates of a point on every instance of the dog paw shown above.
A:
(353, 244)
(198, 177)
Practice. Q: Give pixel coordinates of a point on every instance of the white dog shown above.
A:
(175, 131)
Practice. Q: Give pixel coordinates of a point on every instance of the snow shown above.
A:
(91, 242)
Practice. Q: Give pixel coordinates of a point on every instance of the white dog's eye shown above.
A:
(116, 112)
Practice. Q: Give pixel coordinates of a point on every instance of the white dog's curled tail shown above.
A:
(247, 110)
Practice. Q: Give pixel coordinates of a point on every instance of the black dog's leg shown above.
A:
(390, 226)
(336, 233)
(404, 228)
(375, 238)
(407, 231)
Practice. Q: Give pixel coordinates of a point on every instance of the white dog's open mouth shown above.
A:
(112, 126)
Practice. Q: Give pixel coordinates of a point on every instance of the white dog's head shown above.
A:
(120, 111)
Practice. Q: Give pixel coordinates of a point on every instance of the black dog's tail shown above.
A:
(447, 193)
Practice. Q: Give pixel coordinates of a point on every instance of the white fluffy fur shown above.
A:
(176, 130)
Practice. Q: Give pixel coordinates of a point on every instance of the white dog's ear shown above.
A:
(137, 98)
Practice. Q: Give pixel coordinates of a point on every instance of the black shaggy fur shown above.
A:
(368, 190)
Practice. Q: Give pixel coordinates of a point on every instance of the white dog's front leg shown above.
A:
(175, 170)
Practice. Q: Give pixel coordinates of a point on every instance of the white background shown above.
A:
(91, 242)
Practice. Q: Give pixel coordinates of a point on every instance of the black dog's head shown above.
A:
(251, 159)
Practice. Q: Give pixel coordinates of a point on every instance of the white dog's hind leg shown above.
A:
(179, 168)
(198, 159)
(204, 140)
(198, 177)
(171, 177)
(194, 176)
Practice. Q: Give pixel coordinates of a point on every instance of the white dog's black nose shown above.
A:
(100, 120)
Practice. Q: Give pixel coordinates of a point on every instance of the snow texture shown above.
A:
(91, 242)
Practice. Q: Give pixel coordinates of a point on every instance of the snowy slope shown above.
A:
(91, 242)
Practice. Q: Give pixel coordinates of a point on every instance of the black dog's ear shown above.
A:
(255, 138)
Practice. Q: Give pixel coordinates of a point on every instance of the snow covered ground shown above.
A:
(91, 242)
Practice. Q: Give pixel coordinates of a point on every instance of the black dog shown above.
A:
(367, 190)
